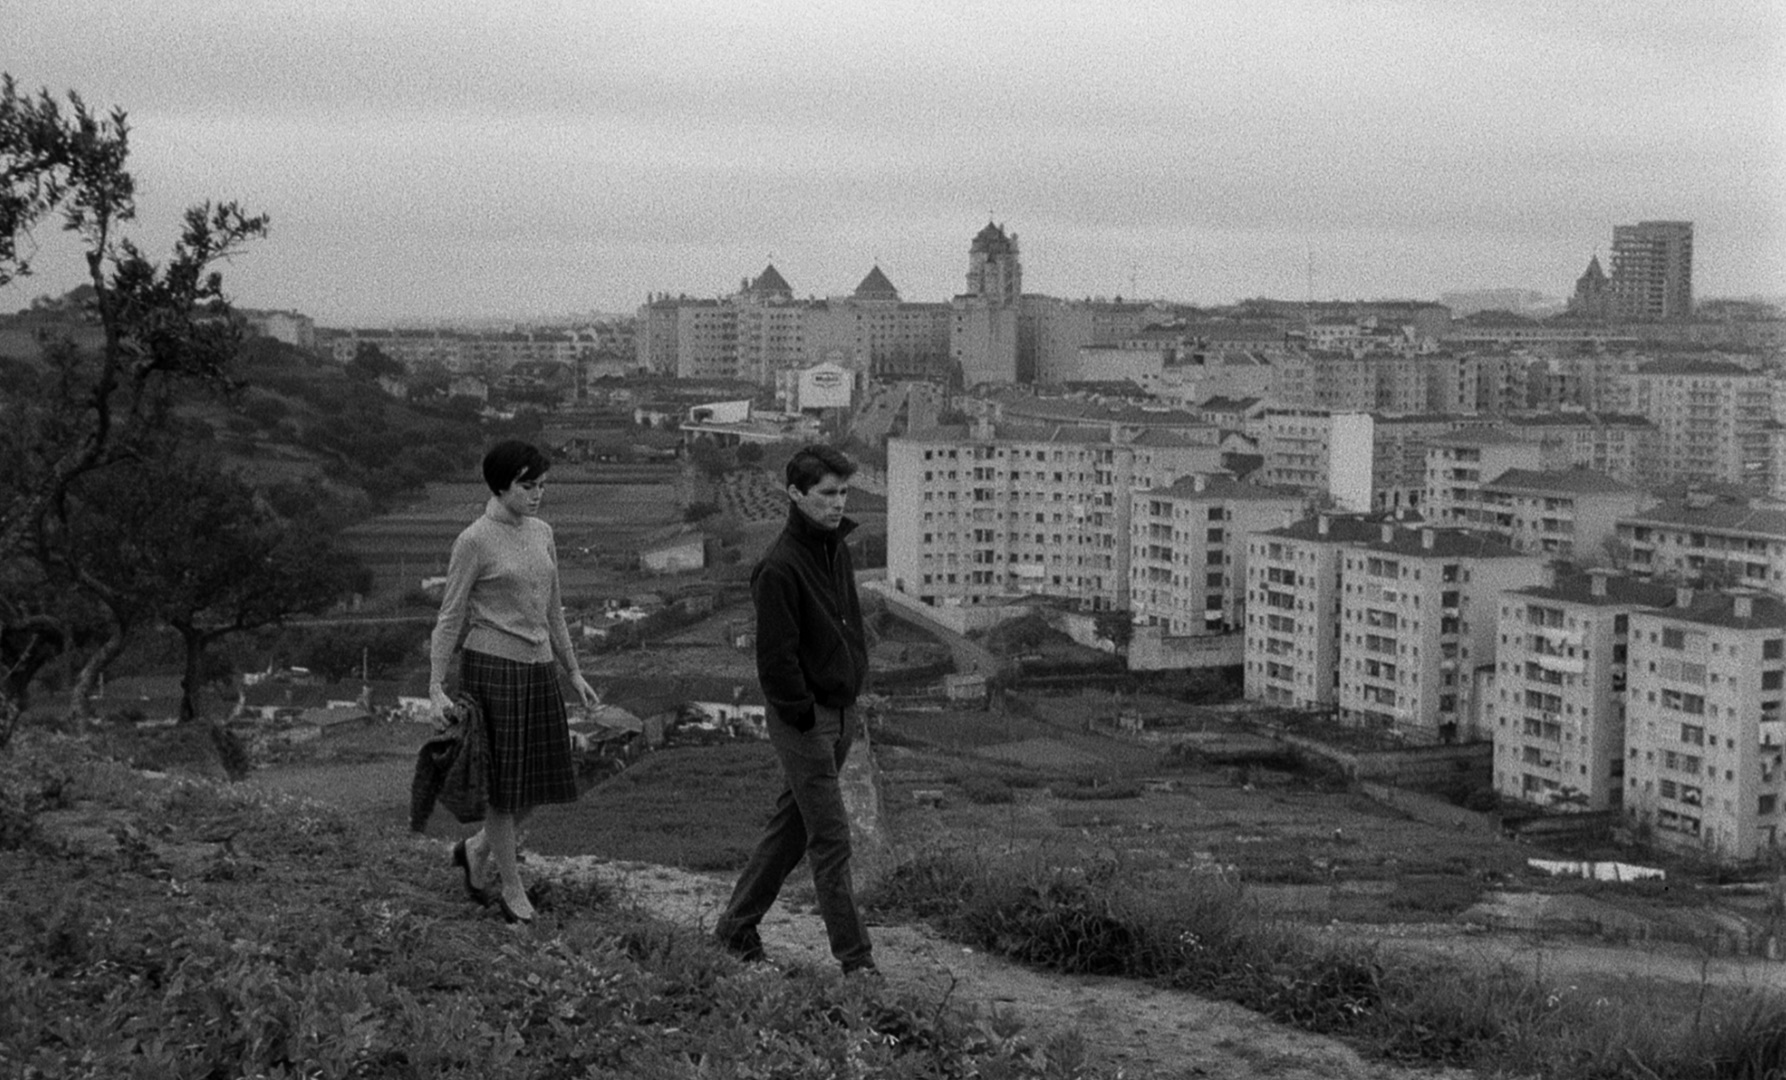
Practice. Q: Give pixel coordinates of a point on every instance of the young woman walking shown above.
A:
(502, 615)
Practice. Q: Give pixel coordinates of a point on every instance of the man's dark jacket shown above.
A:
(810, 646)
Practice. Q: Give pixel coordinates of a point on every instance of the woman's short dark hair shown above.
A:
(810, 464)
(513, 460)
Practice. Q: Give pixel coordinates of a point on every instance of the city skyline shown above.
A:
(473, 160)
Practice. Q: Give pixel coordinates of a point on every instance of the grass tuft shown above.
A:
(1201, 934)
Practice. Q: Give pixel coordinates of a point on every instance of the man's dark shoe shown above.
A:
(747, 947)
(864, 969)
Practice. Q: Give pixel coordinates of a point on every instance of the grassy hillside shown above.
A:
(176, 926)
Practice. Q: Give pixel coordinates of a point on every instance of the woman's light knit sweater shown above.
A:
(501, 595)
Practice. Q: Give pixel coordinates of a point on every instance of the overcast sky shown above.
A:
(446, 159)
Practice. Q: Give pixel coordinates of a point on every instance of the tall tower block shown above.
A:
(1652, 271)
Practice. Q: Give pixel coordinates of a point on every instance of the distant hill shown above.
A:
(299, 417)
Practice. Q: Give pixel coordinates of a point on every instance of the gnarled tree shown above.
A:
(159, 326)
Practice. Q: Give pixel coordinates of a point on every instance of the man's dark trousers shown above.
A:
(809, 820)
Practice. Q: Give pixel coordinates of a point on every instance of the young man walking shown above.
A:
(812, 660)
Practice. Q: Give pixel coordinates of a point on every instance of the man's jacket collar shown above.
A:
(803, 528)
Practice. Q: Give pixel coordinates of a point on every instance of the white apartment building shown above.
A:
(1558, 514)
(1418, 612)
(1024, 511)
(1297, 445)
(1714, 421)
(1293, 577)
(1705, 742)
(1706, 542)
(1622, 447)
(1188, 567)
(1458, 464)
(1557, 712)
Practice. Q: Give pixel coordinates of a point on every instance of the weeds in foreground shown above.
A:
(1202, 935)
(217, 931)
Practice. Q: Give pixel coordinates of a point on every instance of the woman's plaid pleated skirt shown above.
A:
(530, 742)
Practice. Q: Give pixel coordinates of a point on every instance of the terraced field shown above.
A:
(595, 510)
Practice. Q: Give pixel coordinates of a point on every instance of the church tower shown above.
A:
(1592, 299)
(983, 331)
(993, 271)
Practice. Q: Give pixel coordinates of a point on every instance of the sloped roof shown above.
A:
(1718, 517)
(1243, 465)
(992, 240)
(1766, 611)
(1174, 437)
(1621, 590)
(1228, 404)
(1341, 529)
(771, 283)
(876, 287)
(1574, 481)
(1446, 543)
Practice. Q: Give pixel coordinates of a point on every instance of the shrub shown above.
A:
(1109, 789)
(986, 790)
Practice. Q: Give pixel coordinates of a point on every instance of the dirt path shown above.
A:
(1145, 1032)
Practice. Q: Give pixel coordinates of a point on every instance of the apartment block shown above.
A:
(1297, 445)
(1652, 271)
(1709, 542)
(1557, 514)
(1024, 510)
(1188, 568)
(1418, 613)
(1294, 577)
(1620, 446)
(1460, 463)
(1357, 379)
(1705, 743)
(1714, 421)
(1398, 457)
(706, 340)
(1557, 712)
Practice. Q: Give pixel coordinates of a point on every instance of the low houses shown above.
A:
(701, 707)
(730, 706)
(680, 551)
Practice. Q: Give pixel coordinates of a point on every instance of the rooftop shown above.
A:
(1213, 486)
(1447, 543)
(1477, 437)
(1620, 591)
(1766, 611)
(1571, 481)
(1174, 437)
(1341, 529)
(1717, 517)
(1680, 365)
(1228, 404)
(876, 287)
(1576, 419)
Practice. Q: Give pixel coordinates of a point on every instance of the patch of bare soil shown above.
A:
(1143, 1031)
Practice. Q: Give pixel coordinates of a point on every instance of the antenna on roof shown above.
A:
(1309, 309)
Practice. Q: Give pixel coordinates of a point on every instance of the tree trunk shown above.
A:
(195, 652)
(80, 696)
